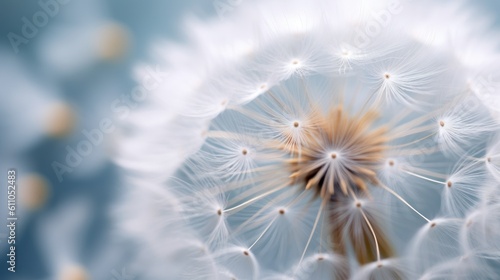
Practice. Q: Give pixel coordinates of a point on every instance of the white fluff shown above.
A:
(205, 145)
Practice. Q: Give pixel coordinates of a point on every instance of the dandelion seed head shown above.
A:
(319, 151)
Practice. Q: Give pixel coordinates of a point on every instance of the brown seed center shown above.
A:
(362, 149)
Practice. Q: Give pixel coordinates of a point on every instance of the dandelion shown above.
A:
(343, 143)
(46, 115)
(82, 37)
(61, 236)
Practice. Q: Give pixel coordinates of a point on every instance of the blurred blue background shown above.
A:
(63, 64)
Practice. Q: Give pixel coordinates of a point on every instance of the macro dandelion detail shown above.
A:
(321, 140)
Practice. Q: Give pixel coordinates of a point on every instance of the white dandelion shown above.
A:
(46, 116)
(82, 37)
(61, 237)
(327, 140)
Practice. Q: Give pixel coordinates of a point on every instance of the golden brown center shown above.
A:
(340, 152)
